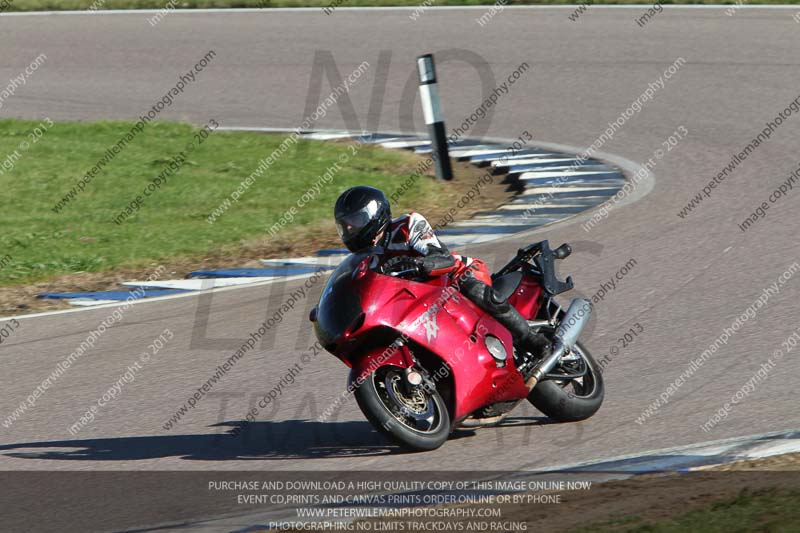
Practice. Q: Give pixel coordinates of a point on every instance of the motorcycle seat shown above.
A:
(506, 285)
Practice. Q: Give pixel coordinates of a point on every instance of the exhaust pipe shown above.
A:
(566, 336)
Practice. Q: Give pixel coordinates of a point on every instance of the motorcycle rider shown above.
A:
(363, 219)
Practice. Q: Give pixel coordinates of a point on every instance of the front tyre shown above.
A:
(570, 400)
(414, 418)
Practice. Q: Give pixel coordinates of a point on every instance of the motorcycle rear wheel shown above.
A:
(418, 421)
(571, 400)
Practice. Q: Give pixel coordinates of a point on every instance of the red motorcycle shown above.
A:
(426, 360)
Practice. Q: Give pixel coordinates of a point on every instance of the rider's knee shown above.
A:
(483, 295)
(497, 302)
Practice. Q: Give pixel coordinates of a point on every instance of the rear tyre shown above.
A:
(571, 400)
(415, 419)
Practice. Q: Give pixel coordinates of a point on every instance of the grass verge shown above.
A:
(82, 247)
(771, 510)
(64, 5)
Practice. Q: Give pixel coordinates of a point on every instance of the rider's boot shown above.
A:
(506, 314)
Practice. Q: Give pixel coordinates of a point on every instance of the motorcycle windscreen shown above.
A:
(340, 304)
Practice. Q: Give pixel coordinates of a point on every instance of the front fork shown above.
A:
(414, 374)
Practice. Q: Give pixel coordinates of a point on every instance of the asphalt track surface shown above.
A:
(693, 276)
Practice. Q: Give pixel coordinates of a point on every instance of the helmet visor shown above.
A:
(350, 226)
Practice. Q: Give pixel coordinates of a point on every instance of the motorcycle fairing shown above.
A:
(453, 328)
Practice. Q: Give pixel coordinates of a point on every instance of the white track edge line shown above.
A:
(187, 294)
(664, 451)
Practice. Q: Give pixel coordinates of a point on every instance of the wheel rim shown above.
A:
(418, 411)
(584, 386)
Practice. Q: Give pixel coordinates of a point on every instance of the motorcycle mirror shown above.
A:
(563, 251)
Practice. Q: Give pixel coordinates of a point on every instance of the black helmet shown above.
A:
(361, 214)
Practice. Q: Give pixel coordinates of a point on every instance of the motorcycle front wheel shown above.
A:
(412, 417)
(570, 400)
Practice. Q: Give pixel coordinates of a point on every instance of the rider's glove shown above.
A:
(403, 264)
